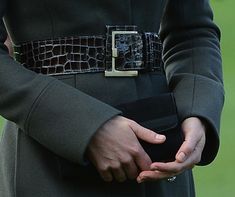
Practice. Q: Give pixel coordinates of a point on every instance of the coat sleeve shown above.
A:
(53, 113)
(193, 65)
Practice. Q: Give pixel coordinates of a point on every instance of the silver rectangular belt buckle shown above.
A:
(114, 72)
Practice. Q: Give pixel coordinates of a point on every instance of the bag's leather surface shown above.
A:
(160, 115)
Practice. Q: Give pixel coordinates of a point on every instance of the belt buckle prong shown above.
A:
(114, 72)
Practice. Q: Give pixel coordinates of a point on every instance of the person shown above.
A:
(64, 136)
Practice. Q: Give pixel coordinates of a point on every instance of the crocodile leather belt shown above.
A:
(123, 51)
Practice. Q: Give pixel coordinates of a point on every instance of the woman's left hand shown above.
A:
(188, 155)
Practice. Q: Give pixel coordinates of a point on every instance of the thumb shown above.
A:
(147, 134)
(193, 130)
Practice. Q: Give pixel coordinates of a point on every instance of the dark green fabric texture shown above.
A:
(51, 120)
(193, 65)
(22, 94)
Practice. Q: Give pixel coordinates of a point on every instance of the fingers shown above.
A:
(116, 152)
(193, 131)
(188, 155)
(142, 159)
(177, 167)
(186, 149)
(147, 134)
(131, 169)
(106, 175)
(165, 170)
(119, 171)
(109, 173)
(119, 174)
(128, 169)
(152, 176)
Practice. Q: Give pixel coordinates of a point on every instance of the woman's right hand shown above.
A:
(116, 152)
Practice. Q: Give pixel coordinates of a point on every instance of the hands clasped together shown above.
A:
(117, 154)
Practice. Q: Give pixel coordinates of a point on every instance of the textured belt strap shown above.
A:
(82, 54)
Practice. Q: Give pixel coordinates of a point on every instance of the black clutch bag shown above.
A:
(160, 115)
(156, 113)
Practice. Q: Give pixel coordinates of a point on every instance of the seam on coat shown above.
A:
(163, 10)
(16, 164)
(193, 72)
(27, 121)
(194, 79)
(3, 9)
(49, 13)
(130, 12)
(191, 183)
(143, 190)
(192, 61)
(75, 81)
(193, 94)
(64, 77)
(59, 166)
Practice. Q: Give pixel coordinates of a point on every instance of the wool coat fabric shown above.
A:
(50, 120)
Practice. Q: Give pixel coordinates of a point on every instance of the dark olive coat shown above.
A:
(51, 120)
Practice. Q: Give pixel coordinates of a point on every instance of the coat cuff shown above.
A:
(64, 119)
(206, 103)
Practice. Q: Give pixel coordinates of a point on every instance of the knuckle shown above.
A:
(103, 168)
(116, 166)
(126, 160)
(135, 127)
(135, 150)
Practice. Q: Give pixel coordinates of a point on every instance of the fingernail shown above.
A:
(160, 137)
(181, 156)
